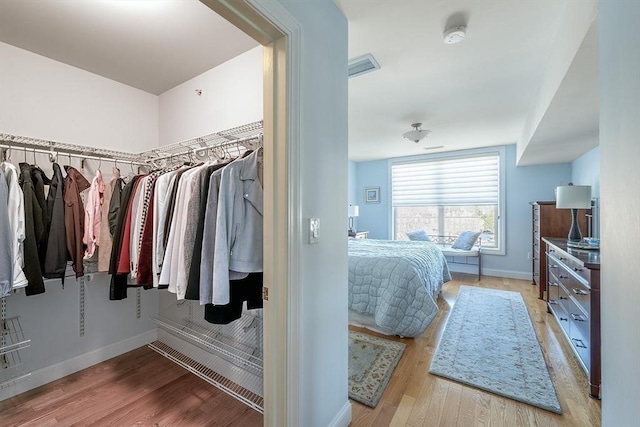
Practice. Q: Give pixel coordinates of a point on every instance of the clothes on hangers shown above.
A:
(6, 244)
(93, 215)
(55, 263)
(238, 243)
(34, 232)
(112, 190)
(118, 285)
(39, 181)
(195, 236)
(196, 231)
(74, 184)
(17, 226)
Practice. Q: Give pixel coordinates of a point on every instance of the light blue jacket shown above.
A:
(238, 241)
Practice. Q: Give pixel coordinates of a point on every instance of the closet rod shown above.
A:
(66, 154)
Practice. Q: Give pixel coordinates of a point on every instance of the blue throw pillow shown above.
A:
(418, 236)
(466, 240)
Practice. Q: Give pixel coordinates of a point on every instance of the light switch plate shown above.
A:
(314, 230)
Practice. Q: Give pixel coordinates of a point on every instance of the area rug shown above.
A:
(371, 363)
(489, 343)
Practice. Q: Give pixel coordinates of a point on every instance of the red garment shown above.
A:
(144, 275)
(124, 262)
(74, 184)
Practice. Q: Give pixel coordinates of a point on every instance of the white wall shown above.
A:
(575, 21)
(46, 99)
(231, 96)
(620, 210)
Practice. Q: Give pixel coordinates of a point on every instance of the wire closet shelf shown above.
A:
(233, 141)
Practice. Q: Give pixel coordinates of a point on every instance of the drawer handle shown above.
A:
(563, 277)
(553, 284)
(552, 250)
(553, 266)
(563, 319)
(578, 343)
(561, 258)
(577, 317)
(578, 291)
(577, 269)
(564, 298)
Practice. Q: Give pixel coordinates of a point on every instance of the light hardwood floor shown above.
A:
(142, 388)
(416, 398)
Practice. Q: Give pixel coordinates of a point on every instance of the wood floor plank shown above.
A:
(401, 415)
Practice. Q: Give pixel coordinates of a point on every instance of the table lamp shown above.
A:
(354, 210)
(573, 197)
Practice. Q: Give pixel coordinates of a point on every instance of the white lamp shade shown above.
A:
(573, 197)
(416, 135)
(354, 210)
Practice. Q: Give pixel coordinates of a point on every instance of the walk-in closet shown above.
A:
(109, 134)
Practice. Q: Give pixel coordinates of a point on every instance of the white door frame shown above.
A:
(280, 34)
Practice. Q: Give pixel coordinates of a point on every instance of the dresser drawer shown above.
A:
(574, 284)
(578, 325)
(578, 290)
(560, 314)
(575, 266)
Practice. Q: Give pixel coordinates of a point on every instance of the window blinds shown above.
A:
(460, 181)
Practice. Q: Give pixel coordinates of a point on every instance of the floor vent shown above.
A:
(362, 65)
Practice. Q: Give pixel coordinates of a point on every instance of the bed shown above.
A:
(394, 285)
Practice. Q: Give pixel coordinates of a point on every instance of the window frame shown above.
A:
(501, 220)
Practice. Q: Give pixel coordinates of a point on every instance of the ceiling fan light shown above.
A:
(417, 134)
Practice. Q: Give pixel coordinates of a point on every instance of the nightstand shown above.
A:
(359, 234)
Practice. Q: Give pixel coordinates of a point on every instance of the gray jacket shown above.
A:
(238, 242)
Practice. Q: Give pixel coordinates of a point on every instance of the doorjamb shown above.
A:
(281, 35)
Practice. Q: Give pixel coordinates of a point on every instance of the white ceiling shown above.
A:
(150, 45)
(473, 94)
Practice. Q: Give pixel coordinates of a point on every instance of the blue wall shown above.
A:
(585, 170)
(523, 185)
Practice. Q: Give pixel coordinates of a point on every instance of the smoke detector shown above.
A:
(455, 34)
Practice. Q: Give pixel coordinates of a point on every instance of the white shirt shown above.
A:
(16, 222)
(173, 268)
(161, 193)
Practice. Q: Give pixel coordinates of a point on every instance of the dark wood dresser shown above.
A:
(549, 222)
(573, 297)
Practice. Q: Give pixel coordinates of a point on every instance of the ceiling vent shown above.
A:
(362, 65)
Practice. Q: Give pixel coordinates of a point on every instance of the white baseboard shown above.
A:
(473, 269)
(67, 367)
(507, 274)
(343, 417)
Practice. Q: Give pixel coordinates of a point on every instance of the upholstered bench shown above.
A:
(445, 243)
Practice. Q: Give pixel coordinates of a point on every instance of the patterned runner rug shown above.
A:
(489, 343)
(371, 363)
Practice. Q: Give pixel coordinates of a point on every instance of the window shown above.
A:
(448, 195)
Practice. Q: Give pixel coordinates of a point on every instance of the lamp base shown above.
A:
(575, 236)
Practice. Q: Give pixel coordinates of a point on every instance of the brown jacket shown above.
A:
(74, 184)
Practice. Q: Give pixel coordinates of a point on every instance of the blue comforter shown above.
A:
(396, 282)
